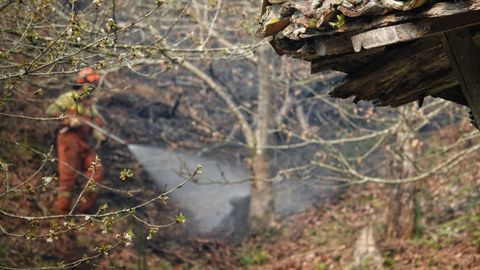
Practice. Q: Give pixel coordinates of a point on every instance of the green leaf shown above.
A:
(340, 21)
(153, 230)
(212, 3)
(199, 169)
(164, 199)
(180, 218)
(125, 174)
(111, 25)
(103, 208)
(103, 249)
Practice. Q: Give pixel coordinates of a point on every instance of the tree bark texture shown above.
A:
(261, 211)
(401, 215)
(261, 206)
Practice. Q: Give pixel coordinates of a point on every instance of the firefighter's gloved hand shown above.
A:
(99, 137)
(74, 122)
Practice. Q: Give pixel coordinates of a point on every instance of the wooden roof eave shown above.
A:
(332, 50)
(393, 59)
(403, 74)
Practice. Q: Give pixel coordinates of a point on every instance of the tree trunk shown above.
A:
(261, 210)
(401, 215)
(261, 206)
(401, 219)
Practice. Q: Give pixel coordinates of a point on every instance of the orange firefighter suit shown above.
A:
(75, 152)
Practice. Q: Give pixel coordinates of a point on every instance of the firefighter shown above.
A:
(74, 143)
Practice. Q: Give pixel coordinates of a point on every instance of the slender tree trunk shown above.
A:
(402, 212)
(261, 206)
(261, 210)
(401, 215)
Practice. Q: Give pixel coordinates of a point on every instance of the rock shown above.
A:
(366, 255)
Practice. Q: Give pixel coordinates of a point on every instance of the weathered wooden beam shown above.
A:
(453, 94)
(403, 74)
(396, 72)
(345, 63)
(413, 30)
(465, 60)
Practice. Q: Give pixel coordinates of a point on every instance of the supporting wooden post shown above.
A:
(465, 60)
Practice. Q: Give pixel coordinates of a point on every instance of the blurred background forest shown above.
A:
(289, 178)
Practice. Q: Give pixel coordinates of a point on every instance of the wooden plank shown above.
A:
(400, 75)
(465, 60)
(413, 30)
(453, 94)
(345, 63)
(404, 73)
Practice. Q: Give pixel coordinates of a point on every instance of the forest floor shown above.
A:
(447, 235)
